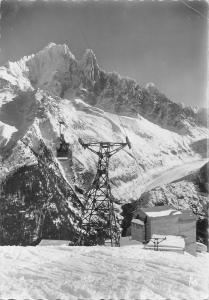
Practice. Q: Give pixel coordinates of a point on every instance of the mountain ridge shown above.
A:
(57, 70)
(41, 90)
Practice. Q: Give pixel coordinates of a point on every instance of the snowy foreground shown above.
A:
(61, 272)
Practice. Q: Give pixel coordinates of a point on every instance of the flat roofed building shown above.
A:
(167, 221)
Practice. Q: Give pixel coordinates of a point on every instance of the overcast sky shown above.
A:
(160, 42)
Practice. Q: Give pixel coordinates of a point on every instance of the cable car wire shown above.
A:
(133, 152)
(195, 10)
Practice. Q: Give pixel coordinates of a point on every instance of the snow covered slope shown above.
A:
(154, 149)
(40, 90)
(101, 273)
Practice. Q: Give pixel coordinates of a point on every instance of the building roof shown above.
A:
(160, 211)
(137, 221)
(163, 213)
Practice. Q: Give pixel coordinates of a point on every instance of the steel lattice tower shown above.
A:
(99, 221)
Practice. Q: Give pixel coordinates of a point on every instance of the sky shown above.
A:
(150, 41)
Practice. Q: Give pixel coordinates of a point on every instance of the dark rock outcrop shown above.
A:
(37, 202)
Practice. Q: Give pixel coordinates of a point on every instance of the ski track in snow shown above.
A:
(61, 272)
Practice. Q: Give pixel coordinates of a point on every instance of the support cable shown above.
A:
(195, 10)
(133, 152)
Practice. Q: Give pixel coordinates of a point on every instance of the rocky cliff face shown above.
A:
(37, 201)
(40, 90)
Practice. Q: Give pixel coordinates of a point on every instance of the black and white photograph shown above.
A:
(104, 158)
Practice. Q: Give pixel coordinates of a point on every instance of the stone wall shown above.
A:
(137, 232)
(187, 229)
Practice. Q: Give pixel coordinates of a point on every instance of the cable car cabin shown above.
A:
(63, 150)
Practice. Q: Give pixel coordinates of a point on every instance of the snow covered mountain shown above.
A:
(39, 91)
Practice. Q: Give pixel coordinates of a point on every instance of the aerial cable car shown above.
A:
(128, 142)
(63, 149)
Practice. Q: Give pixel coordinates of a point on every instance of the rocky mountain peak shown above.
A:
(89, 66)
(42, 89)
(89, 57)
(56, 70)
(55, 50)
(152, 89)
